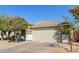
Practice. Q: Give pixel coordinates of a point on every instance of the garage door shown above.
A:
(43, 35)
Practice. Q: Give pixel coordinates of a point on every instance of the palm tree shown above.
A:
(67, 28)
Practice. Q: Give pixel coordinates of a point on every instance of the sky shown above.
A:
(37, 13)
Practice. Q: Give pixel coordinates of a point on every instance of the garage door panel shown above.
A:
(44, 35)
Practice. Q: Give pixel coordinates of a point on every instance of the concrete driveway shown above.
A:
(5, 44)
(33, 47)
(37, 47)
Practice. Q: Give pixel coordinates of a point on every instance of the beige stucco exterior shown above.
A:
(43, 35)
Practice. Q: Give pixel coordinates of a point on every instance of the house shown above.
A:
(44, 31)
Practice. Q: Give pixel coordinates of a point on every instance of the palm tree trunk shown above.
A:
(70, 43)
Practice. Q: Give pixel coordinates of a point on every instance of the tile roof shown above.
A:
(46, 23)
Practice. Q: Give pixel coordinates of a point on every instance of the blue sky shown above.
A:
(37, 13)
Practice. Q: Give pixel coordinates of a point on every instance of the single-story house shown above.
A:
(45, 31)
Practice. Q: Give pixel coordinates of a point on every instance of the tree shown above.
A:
(75, 27)
(2, 24)
(16, 24)
(12, 23)
(75, 12)
(67, 27)
(20, 23)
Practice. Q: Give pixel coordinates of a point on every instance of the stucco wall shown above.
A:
(43, 35)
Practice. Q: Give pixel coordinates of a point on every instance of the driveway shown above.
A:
(37, 47)
(5, 43)
(33, 47)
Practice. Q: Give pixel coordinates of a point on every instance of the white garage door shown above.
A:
(43, 35)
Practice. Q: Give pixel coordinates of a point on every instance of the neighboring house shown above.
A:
(45, 31)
